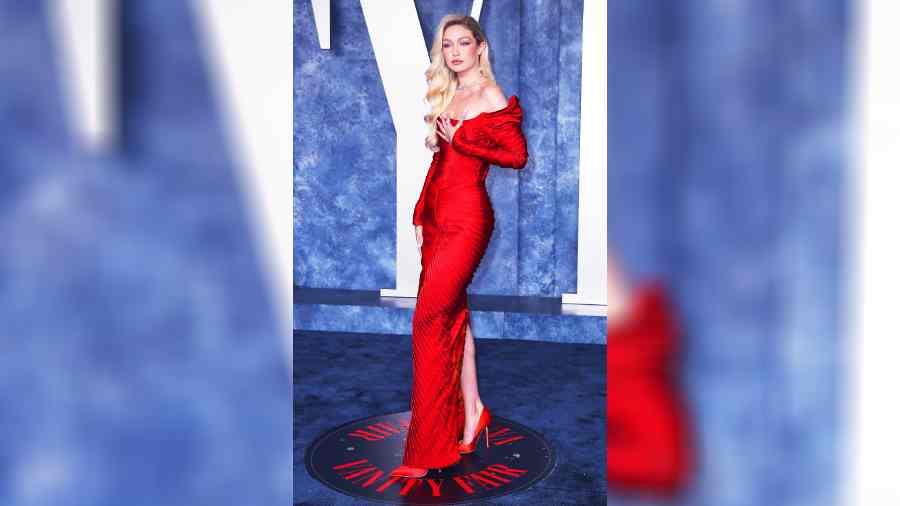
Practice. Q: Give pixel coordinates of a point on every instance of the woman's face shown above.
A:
(460, 48)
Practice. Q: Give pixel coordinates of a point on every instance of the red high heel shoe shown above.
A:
(409, 472)
(483, 421)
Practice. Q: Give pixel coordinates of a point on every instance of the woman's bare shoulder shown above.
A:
(492, 97)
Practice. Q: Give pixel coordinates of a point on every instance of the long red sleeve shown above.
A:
(499, 141)
(420, 204)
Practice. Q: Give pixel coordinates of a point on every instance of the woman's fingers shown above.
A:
(447, 129)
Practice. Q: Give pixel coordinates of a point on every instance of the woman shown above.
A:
(473, 126)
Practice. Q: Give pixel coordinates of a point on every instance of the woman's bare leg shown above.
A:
(469, 380)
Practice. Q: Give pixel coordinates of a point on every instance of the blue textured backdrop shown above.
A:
(140, 360)
(344, 150)
(727, 130)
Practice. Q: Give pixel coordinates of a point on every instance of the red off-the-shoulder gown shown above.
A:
(457, 220)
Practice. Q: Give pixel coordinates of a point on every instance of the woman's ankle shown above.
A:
(476, 412)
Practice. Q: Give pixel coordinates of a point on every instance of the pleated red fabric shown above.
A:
(457, 221)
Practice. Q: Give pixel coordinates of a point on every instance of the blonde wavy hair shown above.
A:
(442, 81)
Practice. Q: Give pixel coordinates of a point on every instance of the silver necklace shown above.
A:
(466, 87)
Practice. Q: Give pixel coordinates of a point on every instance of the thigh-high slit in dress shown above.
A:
(457, 221)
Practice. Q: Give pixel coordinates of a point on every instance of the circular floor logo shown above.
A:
(356, 459)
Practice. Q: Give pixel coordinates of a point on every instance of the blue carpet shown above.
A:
(557, 389)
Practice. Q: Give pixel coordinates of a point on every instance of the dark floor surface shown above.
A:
(556, 389)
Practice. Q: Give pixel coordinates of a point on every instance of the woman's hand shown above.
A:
(419, 238)
(431, 147)
(446, 130)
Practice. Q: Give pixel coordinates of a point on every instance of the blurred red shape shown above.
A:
(648, 445)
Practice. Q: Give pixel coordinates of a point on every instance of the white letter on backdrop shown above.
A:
(592, 165)
(402, 58)
(87, 48)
